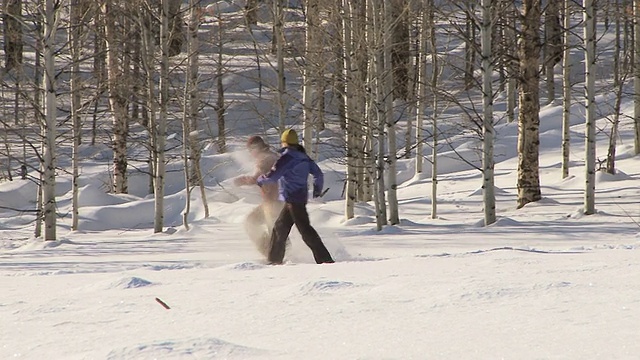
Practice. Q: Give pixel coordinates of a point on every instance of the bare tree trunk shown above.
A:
(148, 42)
(351, 149)
(421, 102)
(220, 98)
(529, 115)
(378, 30)
(161, 130)
(489, 199)
(553, 45)
(195, 178)
(435, 70)
(251, 12)
(590, 125)
(117, 96)
(388, 82)
(398, 39)
(636, 77)
(50, 129)
(566, 95)
(13, 44)
(511, 43)
(469, 48)
(279, 39)
(309, 75)
(619, 76)
(75, 32)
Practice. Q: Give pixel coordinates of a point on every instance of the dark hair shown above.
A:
(299, 148)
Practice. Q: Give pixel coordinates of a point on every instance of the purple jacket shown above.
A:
(291, 171)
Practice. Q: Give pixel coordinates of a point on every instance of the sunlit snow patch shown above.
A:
(131, 283)
(202, 348)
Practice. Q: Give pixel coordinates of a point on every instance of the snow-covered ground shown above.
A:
(544, 282)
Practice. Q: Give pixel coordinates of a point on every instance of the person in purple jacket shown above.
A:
(291, 171)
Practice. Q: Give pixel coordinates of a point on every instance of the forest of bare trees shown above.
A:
(129, 73)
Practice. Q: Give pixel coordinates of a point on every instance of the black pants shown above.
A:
(296, 213)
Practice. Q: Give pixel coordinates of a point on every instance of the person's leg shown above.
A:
(272, 211)
(279, 235)
(309, 234)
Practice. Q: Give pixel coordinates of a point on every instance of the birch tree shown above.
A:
(13, 44)
(49, 129)
(636, 76)
(349, 111)
(161, 129)
(77, 12)
(529, 115)
(435, 70)
(377, 34)
(421, 100)
(553, 44)
(566, 91)
(389, 116)
(620, 71)
(487, 123)
(590, 125)
(118, 93)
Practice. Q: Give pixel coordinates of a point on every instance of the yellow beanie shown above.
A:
(290, 137)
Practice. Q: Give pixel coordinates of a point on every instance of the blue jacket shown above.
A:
(291, 171)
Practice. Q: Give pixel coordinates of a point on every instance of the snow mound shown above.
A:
(325, 286)
(247, 266)
(505, 221)
(92, 195)
(199, 348)
(130, 283)
(602, 176)
(15, 194)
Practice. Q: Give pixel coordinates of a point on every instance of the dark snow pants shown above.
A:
(296, 213)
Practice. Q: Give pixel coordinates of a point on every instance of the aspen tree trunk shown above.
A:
(435, 65)
(590, 125)
(148, 41)
(489, 199)
(50, 129)
(378, 30)
(351, 184)
(99, 65)
(75, 31)
(388, 82)
(360, 64)
(220, 95)
(251, 10)
(636, 76)
(469, 48)
(195, 177)
(566, 91)
(278, 37)
(529, 115)
(310, 54)
(619, 68)
(510, 35)
(117, 95)
(421, 102)
(13, 44)
(161, 130)
(553, 45)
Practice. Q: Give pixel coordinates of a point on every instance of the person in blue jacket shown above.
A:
(291, 171)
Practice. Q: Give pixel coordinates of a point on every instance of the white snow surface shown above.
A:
(544, 282)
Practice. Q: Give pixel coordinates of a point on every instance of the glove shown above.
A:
(317, 193)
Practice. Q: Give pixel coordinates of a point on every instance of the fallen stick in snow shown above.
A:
(164, 305)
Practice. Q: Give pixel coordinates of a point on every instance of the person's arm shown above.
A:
(276, 172)
(318, 179)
